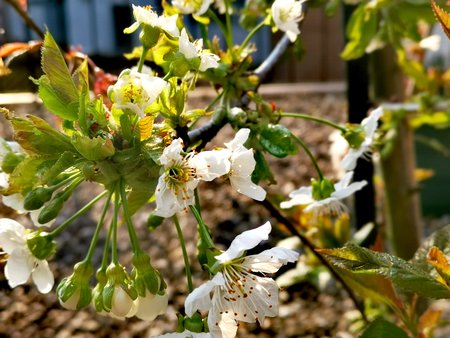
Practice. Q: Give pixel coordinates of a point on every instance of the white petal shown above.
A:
(269, 261)
(4, 180)
(208, 60)
(242, 163)
(246, 187)
(222, 325)
(187, 48)
(370, 123)
(344, 182)
(185, 334)
(300, 196)
(18, 267)
(350, 160)
(350, 190)
(121, 302)
(172, 153)
(245, 241)
(150, 306)
(199, 298)
(167, 203)
(12, 235)
(42, 276)
(211, 164)
(14, 201)
(239, 139)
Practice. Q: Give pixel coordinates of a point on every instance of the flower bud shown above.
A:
(237, 115)
(36, 198)
(355, 136)
(145, 278)
(41, 244)
(51, 210)
(150, 306)
(10, 162)
(154, 221)
(118, 293)
(194, 323)
(74, 292)
(97, 293)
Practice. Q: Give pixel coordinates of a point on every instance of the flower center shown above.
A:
(133, 94)
(178, 175)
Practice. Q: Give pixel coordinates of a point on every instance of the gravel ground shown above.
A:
(304, 312)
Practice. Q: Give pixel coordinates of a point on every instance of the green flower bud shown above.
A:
(41, 244)
(154, 221)
(36, 198)
(118, 289)
(322, 189)
(74, 292)
(194, 323)
(51, 210)
(97, 293)
(144, 276)
(354, 135)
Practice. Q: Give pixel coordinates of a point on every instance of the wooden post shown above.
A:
(401, 196)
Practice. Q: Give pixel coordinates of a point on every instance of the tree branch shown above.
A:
(26, 18)
(306, 242)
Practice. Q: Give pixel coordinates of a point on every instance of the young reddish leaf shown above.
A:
(442, 16)
(437, 258)
(429, 320)
(9, 48)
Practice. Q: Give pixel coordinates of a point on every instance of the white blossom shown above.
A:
(136, 91)
(192, 50)
(175, 189)
(286, 15)
(145, 15)
(330, 205)
(238, 294)
(369, 125)
(242, 166)
(150, 306)
(195, 7)
(21, 263)
(16, 202)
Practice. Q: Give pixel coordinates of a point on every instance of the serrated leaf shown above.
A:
(93, 149)
(146, 127)
(382, 328)
(56, 69)
(278, 140)
(404, 275)
(54, 102)
(38, 137)
(24, 176)
(442, 16)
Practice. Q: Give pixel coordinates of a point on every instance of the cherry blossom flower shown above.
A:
(146, 16)
(150, 306)
(286, 15)
(136, 91)
(192, 50)
(369, 126)
(195, 7)
(329, 205)
(242, 166)
(21, 263)
(16, 202)
(175, 189)
(238, 294)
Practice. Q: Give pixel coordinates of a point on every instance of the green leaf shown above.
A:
(404, 275)
(93, 149)
(38, 137)
(440, 239)
(361, 29)
(262, 170)
(24, 177)
(54, 102)
(56, 69)
(278, 140)
(65, 161)
(382, 328)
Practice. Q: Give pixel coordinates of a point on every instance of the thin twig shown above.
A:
(26, 18)
(290, 226)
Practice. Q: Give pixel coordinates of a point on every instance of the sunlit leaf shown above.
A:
(442, 16)
(406, 276)
(429, 320)
(278, 140)
(437, 258)
(93, 149)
